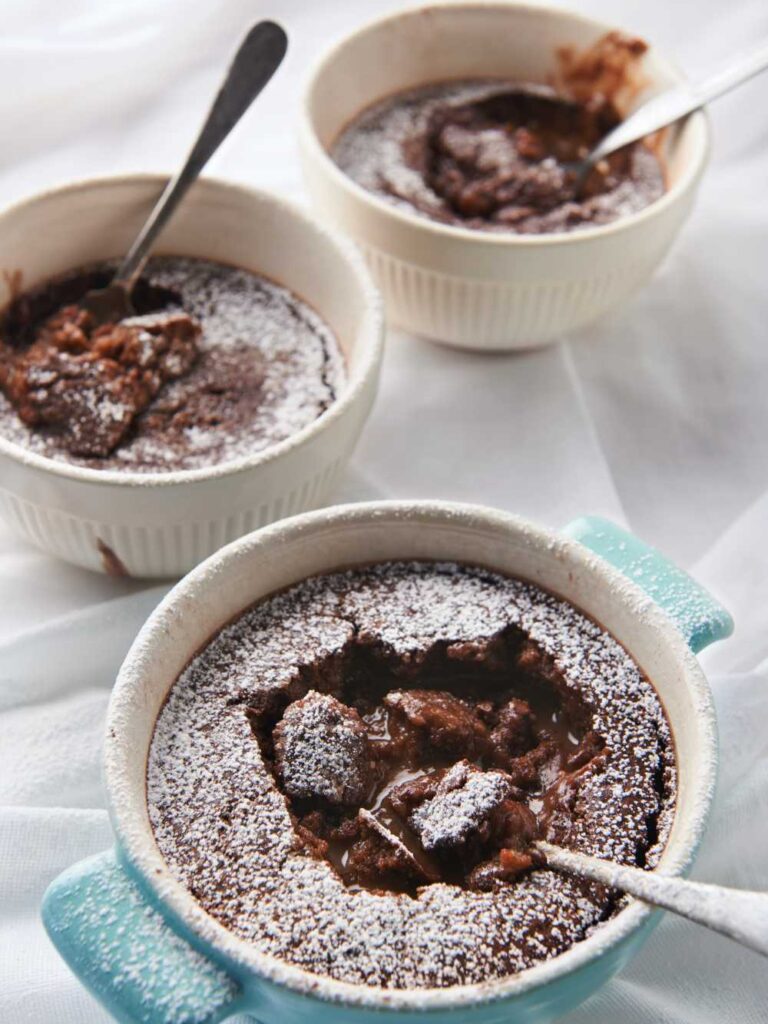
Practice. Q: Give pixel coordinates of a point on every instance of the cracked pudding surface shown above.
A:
(218, 364)
(350, 775)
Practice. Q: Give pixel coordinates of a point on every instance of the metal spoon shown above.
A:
(671, 106)
(257, 59)
(738, 913)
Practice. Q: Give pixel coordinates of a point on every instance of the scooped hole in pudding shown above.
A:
(403, 775)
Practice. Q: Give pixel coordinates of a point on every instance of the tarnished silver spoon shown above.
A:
(256, 60)
(670, 106)
(740, 914)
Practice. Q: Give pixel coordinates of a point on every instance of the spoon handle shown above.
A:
(740, 70)
(257, 59)
(738, 913)
(671, 105)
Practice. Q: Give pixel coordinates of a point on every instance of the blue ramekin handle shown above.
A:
(694, 611)
(124, 951)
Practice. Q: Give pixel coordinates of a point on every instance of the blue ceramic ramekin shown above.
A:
(140, 942)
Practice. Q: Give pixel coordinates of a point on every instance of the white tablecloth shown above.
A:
(657, 417)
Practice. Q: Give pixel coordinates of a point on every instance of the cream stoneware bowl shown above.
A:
(470, 288)
(138, 939)
(162, 524)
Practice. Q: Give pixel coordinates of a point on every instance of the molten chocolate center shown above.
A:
(444, 773)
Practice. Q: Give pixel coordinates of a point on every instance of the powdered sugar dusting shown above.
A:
(275, 361)
(128, 948)
(321, 748)
(376, 150)
(462, 801)
(226, 833)
(370, 149)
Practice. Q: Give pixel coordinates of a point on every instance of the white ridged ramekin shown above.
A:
(162, 524)
(470, 288)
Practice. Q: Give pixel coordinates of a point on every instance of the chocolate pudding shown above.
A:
(353, 774)
(496, 155)
(218, 363)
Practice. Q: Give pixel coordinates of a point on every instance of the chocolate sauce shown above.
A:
(450, 778)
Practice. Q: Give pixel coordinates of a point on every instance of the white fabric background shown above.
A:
(656, 417)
